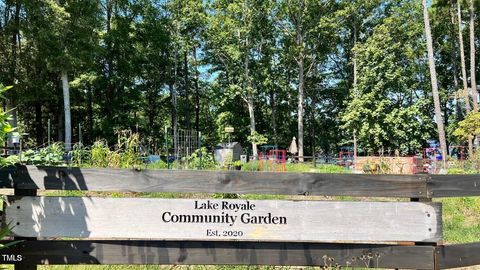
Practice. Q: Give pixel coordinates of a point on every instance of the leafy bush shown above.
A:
(157, 165)
(100, 154)
(9, 161)
(201, 159)
(80, 155)
(251, 166)
(5, 126)
(51, 155)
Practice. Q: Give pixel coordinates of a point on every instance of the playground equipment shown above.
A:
(346, 157)
(272, 160)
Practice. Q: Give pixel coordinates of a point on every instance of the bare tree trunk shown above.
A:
(173, 93)
(300, 107)
(249, 99)
(90, 135)
(433, 79)
(462, 58)
(197, 92)
(66, 107)
(473, 82)
(465, 93)
(10, 103)
(355, 76)
(251, 113)
(38, 123)
(187, 91)
(274, 116)
(453, 60)
(301, 82)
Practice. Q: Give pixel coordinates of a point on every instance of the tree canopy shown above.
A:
(322, 71)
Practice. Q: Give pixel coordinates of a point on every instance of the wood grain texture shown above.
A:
(62, 178)
(220, 253)
(267, 220)
(453, 185)
(461, 255)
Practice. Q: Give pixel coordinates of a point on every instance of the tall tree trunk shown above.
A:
(433, 79)
(38, 123)
(473, 82)
(197, 92)
(251, 113)
(89, 136)
(66, 107)
(187, 90)
(453, 60)
(249, 98)
(312, 123)
(10, 103)
(354, 56)
(462, 58)
(301, 81)
(465, 93)
(274, 116)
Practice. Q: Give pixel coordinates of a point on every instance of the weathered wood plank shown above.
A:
(461, 255)
(453, 185)
(407, 186)
(244, 220)
(220, 253)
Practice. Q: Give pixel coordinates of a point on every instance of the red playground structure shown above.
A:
(273, 161)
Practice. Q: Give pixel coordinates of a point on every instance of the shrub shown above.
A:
(252, 166)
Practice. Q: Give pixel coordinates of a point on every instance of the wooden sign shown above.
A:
(207, 219)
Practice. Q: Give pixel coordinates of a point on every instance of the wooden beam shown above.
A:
(239, 220)
(460, 255)
(453, 185)
(63, 178)
(224, 253)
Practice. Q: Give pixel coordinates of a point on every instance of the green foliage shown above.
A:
(388, 107)
(251, 166)
(468, 127)
(100, 154)
(257, 138)
(127, 59)
(126, 154)
(5, 126)
(201, 159)
(51, 155)
(157, 165)
(9, 161)
(80, 155)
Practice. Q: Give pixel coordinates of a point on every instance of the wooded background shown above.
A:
(320, 70)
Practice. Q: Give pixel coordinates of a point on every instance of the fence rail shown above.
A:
(130, 180)
(33, 214)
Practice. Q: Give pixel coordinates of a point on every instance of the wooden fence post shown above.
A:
(23, 265)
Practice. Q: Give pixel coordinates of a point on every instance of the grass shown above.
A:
(461, 219)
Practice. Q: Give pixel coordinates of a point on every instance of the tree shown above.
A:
(468, 127)
(63, 31)
(235, 40)
(462, 58)
(388, 106)
(473, 82)
(433, 80)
